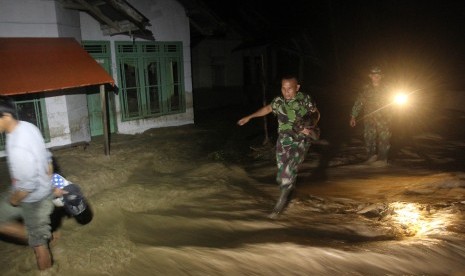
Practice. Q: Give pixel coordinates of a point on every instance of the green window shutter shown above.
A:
(151, 78)
(32, 110)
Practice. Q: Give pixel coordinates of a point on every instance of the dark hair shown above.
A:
(290, 77)
(7, 106)
(376, 70)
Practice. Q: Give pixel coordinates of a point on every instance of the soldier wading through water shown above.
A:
(296, 129)
(372, 100)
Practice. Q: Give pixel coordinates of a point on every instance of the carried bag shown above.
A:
(73, 201)
(307, 122)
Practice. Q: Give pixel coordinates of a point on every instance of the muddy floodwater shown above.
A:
(194, 200)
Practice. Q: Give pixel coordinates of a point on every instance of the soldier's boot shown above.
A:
(371, 155)
(382, 159)
(282, 201)
(371, 158)
(383, 154)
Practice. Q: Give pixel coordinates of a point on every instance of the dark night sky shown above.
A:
(420, 39)
(407, 36)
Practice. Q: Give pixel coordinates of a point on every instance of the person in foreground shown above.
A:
(295, 112)
(373, 101)
(30, 194)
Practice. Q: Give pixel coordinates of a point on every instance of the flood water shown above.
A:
(185, 201)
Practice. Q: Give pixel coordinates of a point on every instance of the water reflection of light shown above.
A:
(417, 220)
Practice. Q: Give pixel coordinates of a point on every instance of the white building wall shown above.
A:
(58, 120)
(211, 52)
(37, 18)
(169, 23)
(78, 117)
(207, 54)
(68, 24)
(28, 18)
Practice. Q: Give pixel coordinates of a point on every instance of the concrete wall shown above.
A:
(78, 117)
(28, 18)
(205, 56)
(58, 120)
(37, 18)
(68, 24)
(169, 23)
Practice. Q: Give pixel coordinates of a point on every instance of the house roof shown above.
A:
(202, 21)
(31, 65)
(115, 16)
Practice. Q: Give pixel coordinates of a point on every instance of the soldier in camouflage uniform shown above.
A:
(295, 112)
(373, 100)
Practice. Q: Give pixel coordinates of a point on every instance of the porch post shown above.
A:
(103, 101)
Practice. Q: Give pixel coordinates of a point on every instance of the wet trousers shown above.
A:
(290, 153)
(377, 136)
(36, 217)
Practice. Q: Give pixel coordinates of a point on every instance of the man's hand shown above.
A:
(352, 122)
(306, 131)
(243, 121)
(18, 196)
(259, 113)
(50, 169)
(57, 192)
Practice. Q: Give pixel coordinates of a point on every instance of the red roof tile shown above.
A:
(31, 65)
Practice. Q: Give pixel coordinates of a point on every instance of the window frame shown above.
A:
(166, 56)
(40, 114)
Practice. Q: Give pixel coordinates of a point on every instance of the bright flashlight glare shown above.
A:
(416, 221)
(400, 98)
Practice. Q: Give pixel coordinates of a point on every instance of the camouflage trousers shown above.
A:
(377, 136)
(290, 153)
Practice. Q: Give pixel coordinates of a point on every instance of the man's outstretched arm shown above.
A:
(259, 113)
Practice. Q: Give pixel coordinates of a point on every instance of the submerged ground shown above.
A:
(194, 200)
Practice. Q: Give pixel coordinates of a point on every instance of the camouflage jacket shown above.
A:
(373, 101)
(293, 115)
